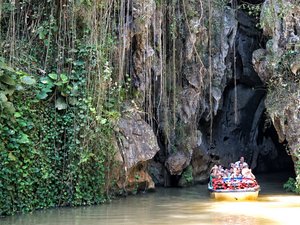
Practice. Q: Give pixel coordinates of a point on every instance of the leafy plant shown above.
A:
(188, 175)
(251, 9)
(290, 185)
(57, 108)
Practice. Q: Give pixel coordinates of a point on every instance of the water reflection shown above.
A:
(267, 210)
(189, 206)
(237, 220)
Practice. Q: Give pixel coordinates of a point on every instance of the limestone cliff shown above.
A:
(200, 90)
(278, 65)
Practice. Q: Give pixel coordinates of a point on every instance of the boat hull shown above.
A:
(235, 195)
(246, 194)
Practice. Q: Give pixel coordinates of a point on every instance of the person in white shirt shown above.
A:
(241, 161)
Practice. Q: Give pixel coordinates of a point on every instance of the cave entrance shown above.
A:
(242, 127)
(278, 160)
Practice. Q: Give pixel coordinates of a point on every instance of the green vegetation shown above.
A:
(58, 104)
(251, 9)
(188, 175)
(272, 13)
(63, 81)
(290, 186)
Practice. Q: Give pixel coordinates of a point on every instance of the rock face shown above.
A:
(277, 65)
(137, 144)
(138, 140)
(177, 162)
(240, 108)
(201, 91)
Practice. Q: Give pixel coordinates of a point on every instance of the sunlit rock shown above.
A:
(137, 145)
(177, 162)
(282, 102)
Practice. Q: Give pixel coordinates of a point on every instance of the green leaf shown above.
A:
(10, 188)
(28, 80)
(59, 83)
(41, 32)
(11, 156)
(9, 107)
(7, 80)
(103, 121)
(19, 87)
(64, 78)
(23, 139)
(85, 156)
(42, 95)
(47, 89)
(46, 80)
(53, 76)
(72, 100)
(3, 97)
(6, 67)
(9, 90)
(78, 63)
(75, 90)
(60, 103)
(20, 72)
(17, 114)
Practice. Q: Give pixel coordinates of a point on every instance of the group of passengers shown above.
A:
(238, 173)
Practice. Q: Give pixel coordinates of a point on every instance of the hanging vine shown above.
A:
(234, 6)
(58, 103)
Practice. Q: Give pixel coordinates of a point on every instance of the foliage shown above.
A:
(8, 85)
(188, 175)
(58, 106)
(282, 69)
(290, 186)
(272, 12)
(251, 9)
(282, 77)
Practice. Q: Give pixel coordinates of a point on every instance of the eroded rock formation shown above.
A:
(202, 92)
(137, 144)
(278, 66)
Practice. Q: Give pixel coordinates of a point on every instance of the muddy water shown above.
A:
(178, 206)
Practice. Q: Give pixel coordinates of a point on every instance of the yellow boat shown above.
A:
(237, 194)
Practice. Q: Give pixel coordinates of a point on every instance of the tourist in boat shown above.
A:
(236, 172)
(247, 173)
(231, 169)
(214, 172)
(248, 178)
(227, 173)
(227, 178)
(216, 178)
(241, 161)
(237, 176)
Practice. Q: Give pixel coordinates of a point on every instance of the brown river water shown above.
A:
(174, 206)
